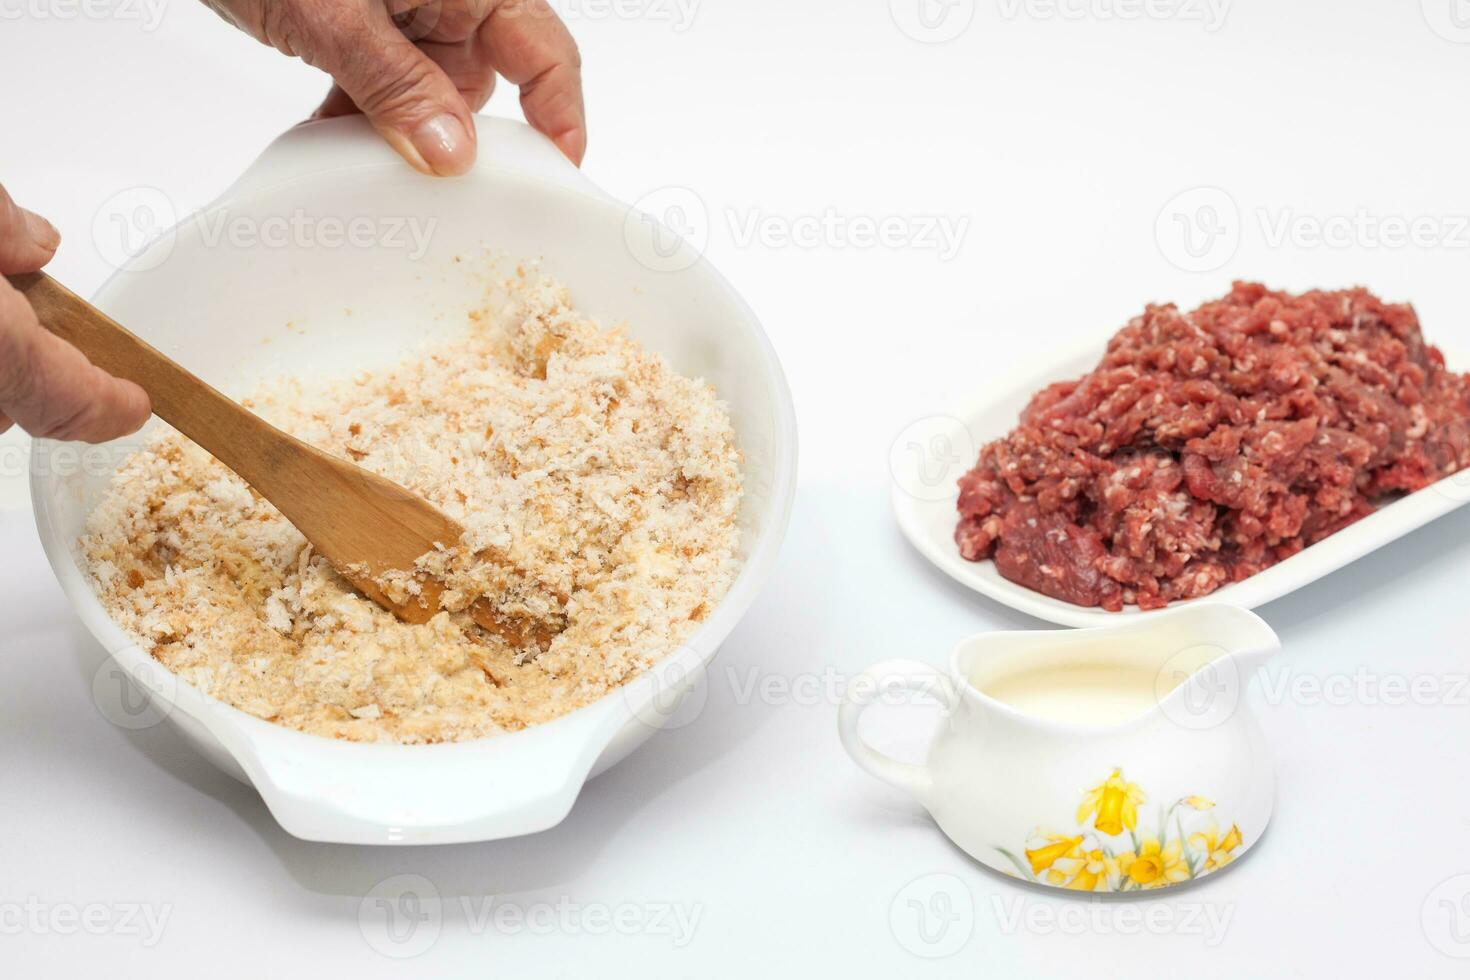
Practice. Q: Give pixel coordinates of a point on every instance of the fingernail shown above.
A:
(573, 144)
(43, 232)
(444, 145)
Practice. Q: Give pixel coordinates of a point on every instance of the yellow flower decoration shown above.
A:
(1115, 802)
(1043, 857)
(1155, 866)
(1107, 820)
(1216, 850)
(1091, 871)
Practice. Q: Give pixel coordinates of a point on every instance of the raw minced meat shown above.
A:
(1208, 446)
(580, 460)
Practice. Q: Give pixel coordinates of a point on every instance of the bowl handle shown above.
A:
(396, 794)
(891, 676)
(348, 142)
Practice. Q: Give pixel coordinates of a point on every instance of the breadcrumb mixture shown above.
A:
(607, 483)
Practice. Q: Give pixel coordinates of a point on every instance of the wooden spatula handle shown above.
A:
(362, 523)
(179, 397)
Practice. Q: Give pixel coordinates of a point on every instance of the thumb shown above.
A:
(27, 240)
(404, 94)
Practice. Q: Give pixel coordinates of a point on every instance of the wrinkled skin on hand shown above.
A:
(47, 386)
(418, 68)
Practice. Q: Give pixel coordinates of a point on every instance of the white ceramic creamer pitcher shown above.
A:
(1110, 759)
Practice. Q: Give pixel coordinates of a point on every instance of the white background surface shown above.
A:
(1060, 140)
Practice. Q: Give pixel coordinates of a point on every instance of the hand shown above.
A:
(419, 68)
(46, 384)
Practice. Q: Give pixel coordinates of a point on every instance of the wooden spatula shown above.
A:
(363, 524)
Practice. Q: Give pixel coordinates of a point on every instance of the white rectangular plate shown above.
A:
(932, 454)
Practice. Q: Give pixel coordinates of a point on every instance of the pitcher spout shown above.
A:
(1245, 636)
(1204, 680)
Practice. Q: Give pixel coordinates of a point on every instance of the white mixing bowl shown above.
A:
(307, 238)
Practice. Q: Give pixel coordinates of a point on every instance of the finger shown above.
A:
(5, 423)
(27, 240)
(403, 93)
(529, 45)
(453, 39)
(51, 390)
(467, 64)
(470, 72)
(447, 35)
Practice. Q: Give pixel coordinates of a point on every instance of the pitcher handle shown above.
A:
(891, 675)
